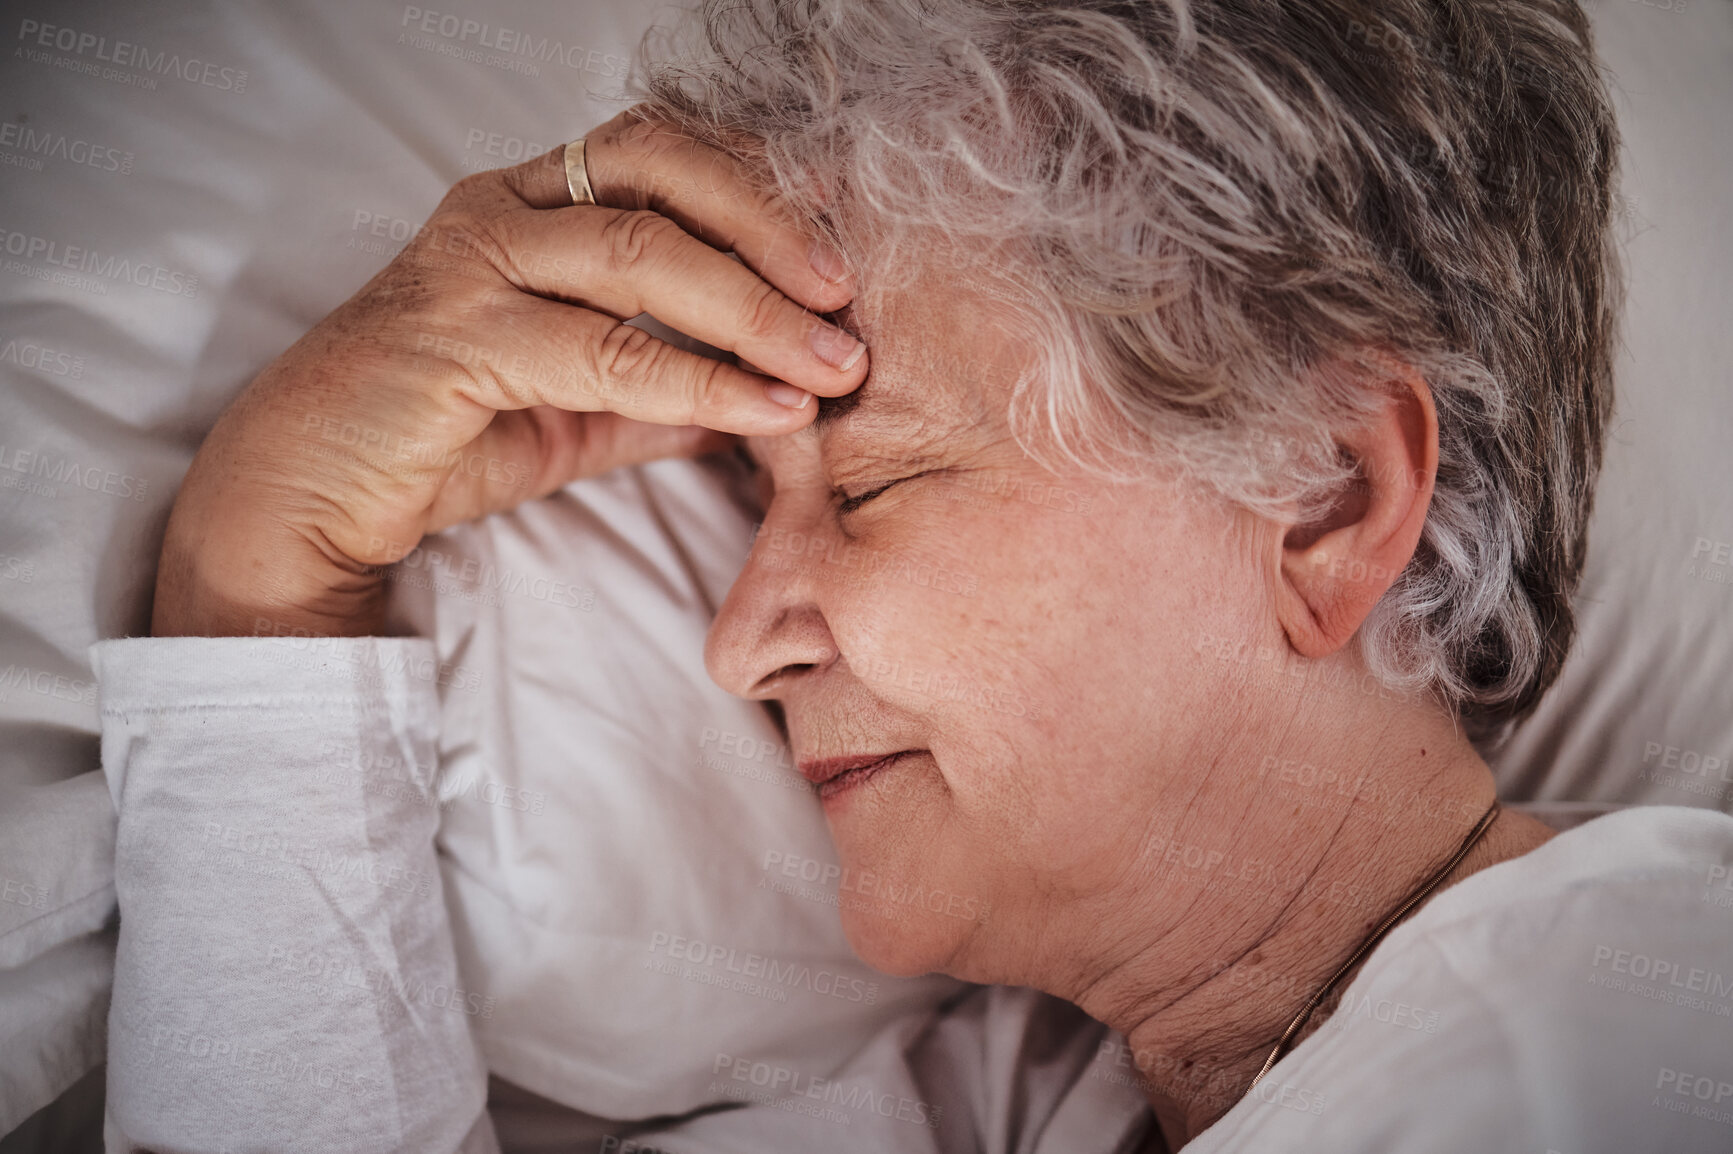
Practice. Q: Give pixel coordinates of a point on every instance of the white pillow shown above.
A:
(640, 881)
(1643, 711)
(56, 865)
(282, 192)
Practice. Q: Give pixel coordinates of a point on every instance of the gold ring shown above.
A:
(577, 176)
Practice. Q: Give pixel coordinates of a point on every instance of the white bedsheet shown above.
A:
(185, 189)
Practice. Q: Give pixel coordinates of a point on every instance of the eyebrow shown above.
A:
(884, 410)
(833, 409)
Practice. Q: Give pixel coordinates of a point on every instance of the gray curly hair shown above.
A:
(1226, 217)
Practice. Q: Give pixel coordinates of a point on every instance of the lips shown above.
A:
(832, 775)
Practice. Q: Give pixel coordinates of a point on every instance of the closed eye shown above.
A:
(849, 504)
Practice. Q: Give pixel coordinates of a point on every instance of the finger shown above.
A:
(637, 164)
(546, 353)
(539, 182)
(619, 441)
(630, 262)
(529, 453)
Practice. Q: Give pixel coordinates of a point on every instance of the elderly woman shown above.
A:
(1253, 357)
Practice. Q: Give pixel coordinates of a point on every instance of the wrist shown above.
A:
(261, 581)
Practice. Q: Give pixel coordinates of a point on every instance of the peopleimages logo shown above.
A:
(30, 355)
(774, 975)
(40, 681)
(346, 974)
(513, 47)
(39, 39)
(77, 258)
(56, 470)
(191, 1049)
(1697, 1094)
(39, 144)
(783, 1086)
(1664, 980)
(878, 894)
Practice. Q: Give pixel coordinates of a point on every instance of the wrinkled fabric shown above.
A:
(285, 978)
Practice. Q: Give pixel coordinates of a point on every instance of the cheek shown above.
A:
(919, 610)
(911, 607)
(1067, 693)
(1064, 697)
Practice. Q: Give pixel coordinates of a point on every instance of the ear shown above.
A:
(1333, 570)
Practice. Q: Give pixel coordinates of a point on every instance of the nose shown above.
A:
(770, 632)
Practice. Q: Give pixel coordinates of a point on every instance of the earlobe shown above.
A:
(1333, 570)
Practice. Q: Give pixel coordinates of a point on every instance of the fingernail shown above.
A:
(787, 395)
(826, 263)
(835, 347)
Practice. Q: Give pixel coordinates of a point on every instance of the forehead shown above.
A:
(944, 357)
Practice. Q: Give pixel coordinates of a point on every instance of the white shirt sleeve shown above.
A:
(285, 978)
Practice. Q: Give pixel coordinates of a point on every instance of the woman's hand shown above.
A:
(488, 364)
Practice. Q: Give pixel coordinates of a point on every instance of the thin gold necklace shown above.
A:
(1384, 927)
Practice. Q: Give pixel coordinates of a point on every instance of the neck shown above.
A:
(1293, 890)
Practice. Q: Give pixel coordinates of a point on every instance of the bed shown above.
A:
(188, 188)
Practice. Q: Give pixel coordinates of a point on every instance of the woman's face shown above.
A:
(1025, 649)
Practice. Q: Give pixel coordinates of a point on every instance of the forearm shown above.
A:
(285, 976)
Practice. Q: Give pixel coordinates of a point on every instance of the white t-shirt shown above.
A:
(1575, 999)
(285, 978)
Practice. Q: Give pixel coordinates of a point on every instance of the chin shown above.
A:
(905, 912)
(901, 943)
